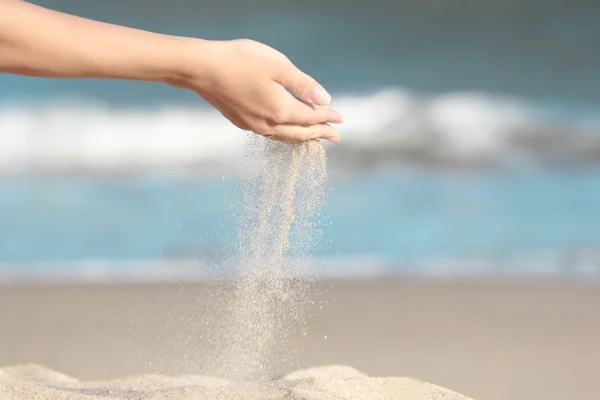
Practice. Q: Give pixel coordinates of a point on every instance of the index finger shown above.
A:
(302, 113)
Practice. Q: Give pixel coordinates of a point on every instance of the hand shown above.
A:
(247, 81)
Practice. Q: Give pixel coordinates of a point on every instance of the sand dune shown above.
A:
(27, 382)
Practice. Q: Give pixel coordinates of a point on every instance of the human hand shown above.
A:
(247, 81)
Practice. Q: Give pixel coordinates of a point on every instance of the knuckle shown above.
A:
(244, 47)
(282, 62)
(280, 115)
(304, 86)
(245, 41)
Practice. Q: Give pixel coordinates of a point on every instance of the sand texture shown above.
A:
(488, 341)
(30, 381)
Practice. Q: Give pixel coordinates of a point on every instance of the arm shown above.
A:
(35, 41)
(245, 80)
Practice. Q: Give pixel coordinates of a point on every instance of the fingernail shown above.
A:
(334, 139)
(320, 96)
(340, 118)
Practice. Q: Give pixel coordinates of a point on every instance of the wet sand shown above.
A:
(487, 341)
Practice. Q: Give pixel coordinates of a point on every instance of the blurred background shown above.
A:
(471, 144)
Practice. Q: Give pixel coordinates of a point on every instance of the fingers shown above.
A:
(300, 113)
(303, 86)
(288, 110)
(299, 134)
(286, 132)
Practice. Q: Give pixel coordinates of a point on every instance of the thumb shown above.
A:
(304, 87)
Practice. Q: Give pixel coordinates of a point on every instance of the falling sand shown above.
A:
(267, 300)
(279, 228)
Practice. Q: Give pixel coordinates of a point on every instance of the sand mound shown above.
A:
(326, 372)
(29, 382)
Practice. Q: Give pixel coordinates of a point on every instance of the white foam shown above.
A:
(63, 136)
(459, 127)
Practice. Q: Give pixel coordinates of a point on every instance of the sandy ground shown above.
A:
(488, 341)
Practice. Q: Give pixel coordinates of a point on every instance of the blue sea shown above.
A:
(471, 144)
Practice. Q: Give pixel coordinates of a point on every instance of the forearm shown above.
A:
(35, 41)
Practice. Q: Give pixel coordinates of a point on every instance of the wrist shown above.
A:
(193, 63)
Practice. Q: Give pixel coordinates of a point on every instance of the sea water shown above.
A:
(471, 143)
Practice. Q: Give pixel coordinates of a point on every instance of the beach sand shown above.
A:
(492, 341)
(325, 383)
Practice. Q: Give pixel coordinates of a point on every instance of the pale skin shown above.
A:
(248, 82)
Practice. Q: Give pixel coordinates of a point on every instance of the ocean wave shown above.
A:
(395, 125)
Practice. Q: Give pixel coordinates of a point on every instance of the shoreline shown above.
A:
(163, 279)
